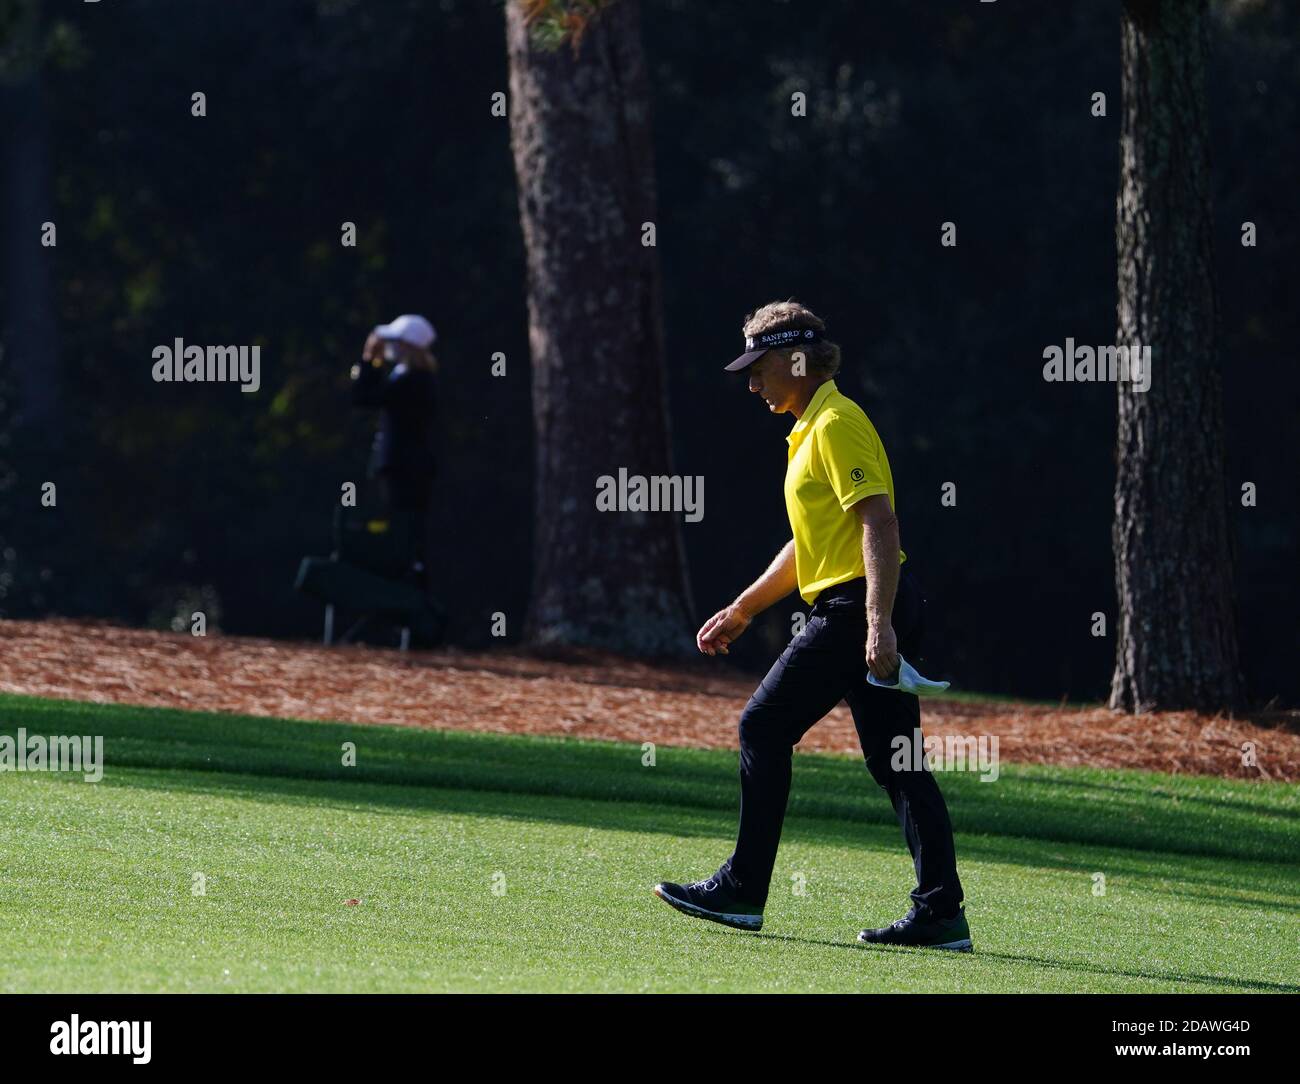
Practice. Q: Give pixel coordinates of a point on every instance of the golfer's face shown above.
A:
(770, 378)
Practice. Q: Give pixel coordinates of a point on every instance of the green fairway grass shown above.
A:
(497, 862)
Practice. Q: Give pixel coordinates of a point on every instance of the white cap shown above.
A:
(409, 328)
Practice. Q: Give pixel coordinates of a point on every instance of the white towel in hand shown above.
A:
(908, 680)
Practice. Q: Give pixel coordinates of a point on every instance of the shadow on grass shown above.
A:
(1241, 805)
(833, 798)
(868, 840)
(1174, 978)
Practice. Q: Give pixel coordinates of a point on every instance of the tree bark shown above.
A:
(1177, 639)
(580, 134)
(30, 328)
(32, 421)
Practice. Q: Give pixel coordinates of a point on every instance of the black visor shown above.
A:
(758, 345)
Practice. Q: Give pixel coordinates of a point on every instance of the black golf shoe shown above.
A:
(710, 900)
(940, 933)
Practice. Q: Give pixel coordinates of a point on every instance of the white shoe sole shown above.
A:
(963, 945)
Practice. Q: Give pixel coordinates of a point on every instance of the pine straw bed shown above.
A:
(583, 695)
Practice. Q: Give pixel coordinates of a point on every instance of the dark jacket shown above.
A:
(404, 442)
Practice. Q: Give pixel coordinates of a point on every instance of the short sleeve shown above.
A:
(850, 455)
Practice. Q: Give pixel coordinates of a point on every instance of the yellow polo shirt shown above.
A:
(835, 459)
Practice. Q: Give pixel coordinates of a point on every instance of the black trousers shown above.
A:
(824, 664)
(408, 499)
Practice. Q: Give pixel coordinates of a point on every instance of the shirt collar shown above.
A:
(815, 404)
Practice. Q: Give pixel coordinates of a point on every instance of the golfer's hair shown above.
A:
(823, 357)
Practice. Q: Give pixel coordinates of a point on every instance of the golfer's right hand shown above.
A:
(721, 630)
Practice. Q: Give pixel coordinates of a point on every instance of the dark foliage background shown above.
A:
(226, 230)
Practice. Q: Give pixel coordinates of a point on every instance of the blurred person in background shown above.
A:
(396, 374)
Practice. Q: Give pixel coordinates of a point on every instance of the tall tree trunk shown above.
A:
(26, 201)
(1177, 637)
(580, 133)
(32, 437)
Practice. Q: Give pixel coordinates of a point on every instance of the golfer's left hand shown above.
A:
(719, 631)
(882, 652)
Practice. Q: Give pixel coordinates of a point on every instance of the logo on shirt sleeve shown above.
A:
(857, 475)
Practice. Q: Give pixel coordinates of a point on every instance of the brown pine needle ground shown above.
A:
(584, 695)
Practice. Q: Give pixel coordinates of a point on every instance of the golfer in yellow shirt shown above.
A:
(845, 560)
